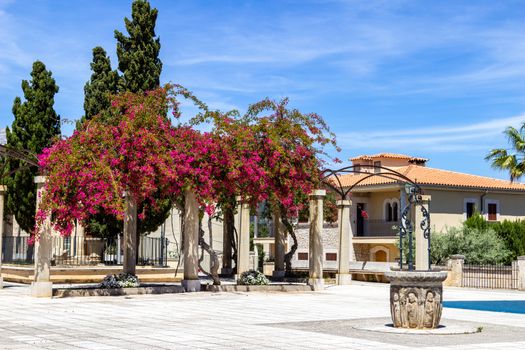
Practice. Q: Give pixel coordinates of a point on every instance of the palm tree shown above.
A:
(504, 159)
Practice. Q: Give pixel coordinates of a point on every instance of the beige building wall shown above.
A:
(448, 208)
(376, 206)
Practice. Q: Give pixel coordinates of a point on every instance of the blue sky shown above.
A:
(428, 78)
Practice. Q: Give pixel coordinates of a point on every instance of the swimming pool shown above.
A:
(511, 306)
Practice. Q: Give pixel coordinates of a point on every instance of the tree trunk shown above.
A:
(288, 256)
(214, 259)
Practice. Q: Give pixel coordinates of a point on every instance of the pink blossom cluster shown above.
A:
(134, 150)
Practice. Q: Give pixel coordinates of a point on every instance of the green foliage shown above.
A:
(476, 221)
(479, 246)
(140, 66)
(35, 126)
(513, 162)
(253, 278)
(138, 53)
(103, 83)
(406, 250)
(511, 232)
(121, 280)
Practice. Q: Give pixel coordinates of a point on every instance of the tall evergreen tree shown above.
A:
(35, 126)
(103, 82)
(138, 53)
(141, 67)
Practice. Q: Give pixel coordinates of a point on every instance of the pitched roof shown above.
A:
(431, 176)
(389, 155)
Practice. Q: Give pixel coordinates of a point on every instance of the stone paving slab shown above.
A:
(230, 320)
(368, 329)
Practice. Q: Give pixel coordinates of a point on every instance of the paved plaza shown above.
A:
(321, 320)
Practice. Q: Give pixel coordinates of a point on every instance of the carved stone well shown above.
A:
(416, 298)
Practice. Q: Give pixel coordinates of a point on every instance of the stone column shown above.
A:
(228, 222)
(422, 253)
(279, 232)
(243, 244)
(130, 236)
(316, 241)
(521, 272)
(2, 193)
(79, 241)
(42, 287)
(346, 247)
(191, 282)
(455, 266)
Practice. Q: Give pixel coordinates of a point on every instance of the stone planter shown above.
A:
(416, 298)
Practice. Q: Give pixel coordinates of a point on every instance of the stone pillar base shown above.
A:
(316, 283)
(226, 271)
(343, 278)
(278, 274)
(191, 285)
(42, 289)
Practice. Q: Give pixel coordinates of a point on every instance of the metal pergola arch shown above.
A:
(413, 190)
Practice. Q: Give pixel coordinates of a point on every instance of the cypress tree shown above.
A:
(35, 126)
(138, 53)
(141, 67)
(103, 82)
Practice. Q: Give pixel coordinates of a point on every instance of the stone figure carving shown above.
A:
(412, 310)
(428, 320)
(396, 310)
(415, 299)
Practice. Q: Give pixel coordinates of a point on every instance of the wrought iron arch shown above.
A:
(28, 158)
(331, 179)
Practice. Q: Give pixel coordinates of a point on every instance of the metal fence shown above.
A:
(17, 250)
(491, 276)
(82, 251)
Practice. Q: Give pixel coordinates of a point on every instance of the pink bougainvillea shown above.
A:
(135, 150)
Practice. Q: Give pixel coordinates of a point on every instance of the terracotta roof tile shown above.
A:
(388, 155)
(430, 176)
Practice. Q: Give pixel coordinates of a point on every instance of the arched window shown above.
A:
(388, 211)
(395, 211)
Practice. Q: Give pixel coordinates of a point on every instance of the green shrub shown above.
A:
(253, 278)
(121, 280)
(476, 221)
(511, 232)
(479, 246)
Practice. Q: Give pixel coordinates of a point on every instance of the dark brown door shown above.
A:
(360, 223)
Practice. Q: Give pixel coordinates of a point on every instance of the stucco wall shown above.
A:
(447, 208)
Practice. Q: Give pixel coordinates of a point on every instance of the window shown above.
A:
(391, 211)
(357, 168)
(395, 211)
(331, 256)
(302, 256)
(388, 211)
(470, 209)
(377, 164)
(492, 211)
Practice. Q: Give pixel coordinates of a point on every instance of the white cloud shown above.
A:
(432, 138)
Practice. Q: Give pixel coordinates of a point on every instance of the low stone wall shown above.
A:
(23, 274)
(91, 292)
(267, 288)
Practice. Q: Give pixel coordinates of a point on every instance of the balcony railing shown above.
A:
(379, 228)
